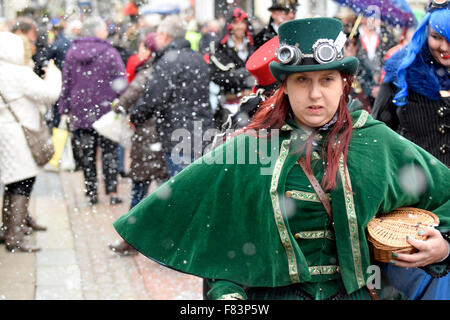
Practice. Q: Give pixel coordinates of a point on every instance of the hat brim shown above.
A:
(348, 65)
(281, 8)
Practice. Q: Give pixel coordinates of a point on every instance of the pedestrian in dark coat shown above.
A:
(58, 49)
(280, 11)
(93, 76)
(177, 94)
(209, 34)
(147, 163)
(414, 100)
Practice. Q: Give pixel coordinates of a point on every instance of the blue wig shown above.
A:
(413, 65)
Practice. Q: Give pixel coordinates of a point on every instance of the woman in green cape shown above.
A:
(251, 216)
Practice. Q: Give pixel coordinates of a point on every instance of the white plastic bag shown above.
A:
(67, 161)
(114, 127)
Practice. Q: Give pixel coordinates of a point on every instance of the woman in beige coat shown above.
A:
(28, 95)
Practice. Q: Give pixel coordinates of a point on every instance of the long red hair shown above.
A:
(272, 115)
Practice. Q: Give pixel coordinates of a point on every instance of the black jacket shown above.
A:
(57, 51)
(423, 121)
(228, 69)
(267, 33)
(177, 94)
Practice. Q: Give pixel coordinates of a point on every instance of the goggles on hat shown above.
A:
(438, 4)
(324, 51)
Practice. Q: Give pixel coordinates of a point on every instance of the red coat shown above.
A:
(132, 62)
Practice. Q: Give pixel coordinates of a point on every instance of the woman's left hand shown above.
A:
(431, 250)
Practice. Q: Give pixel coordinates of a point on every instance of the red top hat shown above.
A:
(258, 63)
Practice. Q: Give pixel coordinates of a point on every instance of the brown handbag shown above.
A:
(39, 141)
(327, 204)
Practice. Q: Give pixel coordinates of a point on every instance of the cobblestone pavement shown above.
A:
(75, 262)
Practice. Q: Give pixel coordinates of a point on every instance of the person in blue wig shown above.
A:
(414, 100)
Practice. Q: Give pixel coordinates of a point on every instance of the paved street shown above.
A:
(75, 261)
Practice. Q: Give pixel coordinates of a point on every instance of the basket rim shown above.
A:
(393, 217)
(414, 209)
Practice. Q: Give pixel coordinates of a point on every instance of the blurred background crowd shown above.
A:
(91, 57)
(58, 22)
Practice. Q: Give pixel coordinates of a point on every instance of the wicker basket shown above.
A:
(387, 233)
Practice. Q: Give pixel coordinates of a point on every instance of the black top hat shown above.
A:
(284, 4)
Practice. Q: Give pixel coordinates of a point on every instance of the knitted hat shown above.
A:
(312, 44)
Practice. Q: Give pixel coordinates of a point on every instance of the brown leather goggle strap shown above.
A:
(327, 204)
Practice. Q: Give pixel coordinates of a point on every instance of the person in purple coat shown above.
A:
(93, 76)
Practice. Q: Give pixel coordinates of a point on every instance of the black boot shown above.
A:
(115, 200)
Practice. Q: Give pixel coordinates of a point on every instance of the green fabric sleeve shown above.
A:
(222, 289)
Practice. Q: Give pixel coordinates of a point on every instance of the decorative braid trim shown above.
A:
(231, 296)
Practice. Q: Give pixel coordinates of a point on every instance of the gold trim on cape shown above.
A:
(315, 156)
(318, 270)
(231, 296)
(361, 120)
(352, 223)
(281, 226)
(305, 196)
(318, 234)
(286, 127)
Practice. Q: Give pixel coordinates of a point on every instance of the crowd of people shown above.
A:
(174, 82)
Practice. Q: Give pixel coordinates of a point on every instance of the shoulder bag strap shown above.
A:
(8, 106)
(10, 109)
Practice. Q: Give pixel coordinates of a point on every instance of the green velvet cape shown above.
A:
(223, 217)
